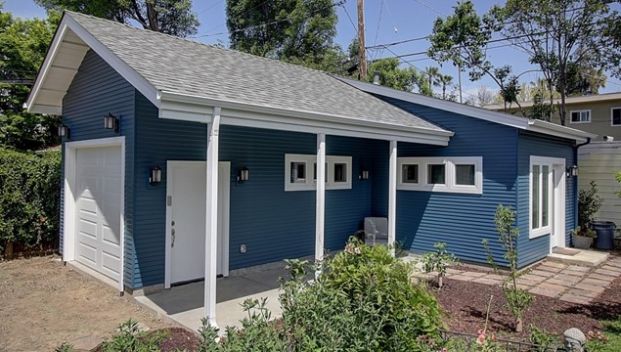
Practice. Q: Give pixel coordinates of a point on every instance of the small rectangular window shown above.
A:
(464, 175)
(409, 173)
(616, 117)
(298, 172)
(436, 174)
(580, 116)
(340, 172)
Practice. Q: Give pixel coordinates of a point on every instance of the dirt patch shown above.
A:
(43, 304)
(465, 304)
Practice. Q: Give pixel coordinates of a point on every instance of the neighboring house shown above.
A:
(600, 160)
(182, 159)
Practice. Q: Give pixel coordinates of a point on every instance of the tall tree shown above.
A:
(23, 44)
(462, 38)
(174, 17)
(394, 76)
(562, 36)
(301, 31)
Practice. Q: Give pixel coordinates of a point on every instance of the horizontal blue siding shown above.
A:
(96, 91)
(532, 250)
(462, 221)
(273, 224)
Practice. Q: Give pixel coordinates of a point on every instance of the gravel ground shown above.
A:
(43, 304)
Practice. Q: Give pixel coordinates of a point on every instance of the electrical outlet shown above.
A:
(242, 249)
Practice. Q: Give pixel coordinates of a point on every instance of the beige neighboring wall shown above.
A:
(601, 113)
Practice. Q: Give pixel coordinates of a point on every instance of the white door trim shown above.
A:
(69, 206)
(558, 235)
(225, 236)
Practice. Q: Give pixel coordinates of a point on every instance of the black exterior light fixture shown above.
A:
(572, 171)
(155, 175)
(111, 122)
(63, 131)
(244, 174)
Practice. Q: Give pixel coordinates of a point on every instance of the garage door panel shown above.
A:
(98, 183)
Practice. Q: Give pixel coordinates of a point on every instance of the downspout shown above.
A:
(575, 188)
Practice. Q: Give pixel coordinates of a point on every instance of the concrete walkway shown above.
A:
(567, 282)
(184, 303)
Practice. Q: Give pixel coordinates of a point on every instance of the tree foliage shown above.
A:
(174, 17)
(23, 44)
(394, 76)
(299, 31)
(571, 41)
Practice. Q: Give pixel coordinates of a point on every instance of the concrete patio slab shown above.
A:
(584, 257)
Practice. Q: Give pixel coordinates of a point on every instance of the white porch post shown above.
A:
(321, 196)
(392, 195)
(211, 217)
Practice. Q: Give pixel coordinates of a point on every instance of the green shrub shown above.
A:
(29, 197)
(438, 261)
(65, 347)
(589, 203)
(542, 340)
(131, 339)
(363, 300)
(609, 341)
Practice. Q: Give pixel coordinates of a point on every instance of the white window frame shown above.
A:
(612, 109)
(541, 230)
(450, 185)
(310, 182)
(580, 112)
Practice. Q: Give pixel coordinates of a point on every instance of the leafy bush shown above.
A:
(29, 198)
(131, 339)
(438, 261)
(609, 341)
(64, 347)
(363, 300)
(589, 203)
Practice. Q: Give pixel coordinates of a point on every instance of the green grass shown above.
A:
(612, 340)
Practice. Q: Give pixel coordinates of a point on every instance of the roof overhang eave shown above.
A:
(200, 109)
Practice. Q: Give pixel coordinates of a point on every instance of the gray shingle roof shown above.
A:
(179, 66)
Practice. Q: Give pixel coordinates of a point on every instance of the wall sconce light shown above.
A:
(111, 122)
(572, 171)
(244, 174)
(155, 175)
(63, 131)
(364, 174)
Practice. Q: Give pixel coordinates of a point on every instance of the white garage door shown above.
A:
(98, 207)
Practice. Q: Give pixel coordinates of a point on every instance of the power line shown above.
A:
(383, 46)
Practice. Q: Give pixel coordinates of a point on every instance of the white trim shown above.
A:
(392, 196)
(580, 115)
(309, 183)
(211, 218)
(69, 205)
(556, 197)
(475, 112)
(126, 71)
(320, 210)
(612, 117)
(170, 165)
(450, 177)
(332, 160)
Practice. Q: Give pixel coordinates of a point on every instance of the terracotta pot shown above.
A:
(582, 242)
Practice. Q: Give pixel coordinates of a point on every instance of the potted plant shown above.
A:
(588, 204)
(583, 237)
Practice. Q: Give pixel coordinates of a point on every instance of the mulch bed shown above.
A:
(465, 304)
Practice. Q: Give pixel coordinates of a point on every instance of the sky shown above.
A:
(386, 21)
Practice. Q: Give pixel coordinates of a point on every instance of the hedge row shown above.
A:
(29, 199)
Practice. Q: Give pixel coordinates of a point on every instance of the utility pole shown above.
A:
(361, 50)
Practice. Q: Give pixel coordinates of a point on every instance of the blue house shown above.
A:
(184, 161)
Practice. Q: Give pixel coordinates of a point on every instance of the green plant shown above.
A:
(131, 339)
(65, 347)
(29, 198)
(584, 231)
(609, 340)
(518, 300)
(618, 178)
(542, 340)
(438, 261)
(589, 203)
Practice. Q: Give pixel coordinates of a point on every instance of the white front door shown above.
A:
(98, 209)
(557, 237)
(186, 220)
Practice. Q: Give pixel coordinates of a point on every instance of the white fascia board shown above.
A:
(538, 126)
(234, 113)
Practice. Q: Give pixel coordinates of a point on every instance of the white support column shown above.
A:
(321, 196)
(211, 217)
(392, 195)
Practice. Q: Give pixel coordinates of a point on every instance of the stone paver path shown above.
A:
(570, 283)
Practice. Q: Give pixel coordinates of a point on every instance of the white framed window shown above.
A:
(580, 116)
(441, 174)
(615, 116)
(540, 196)
(301, 172)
